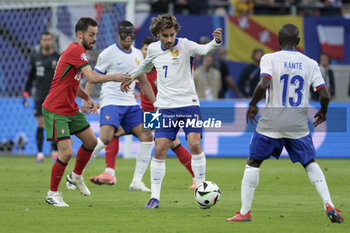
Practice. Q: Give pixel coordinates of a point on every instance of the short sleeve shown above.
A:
(78, 58)
(317, 79)
(266, 67)
(102, 64)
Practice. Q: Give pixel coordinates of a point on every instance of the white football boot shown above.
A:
(78, 181)
(139, 187)
(55, 199)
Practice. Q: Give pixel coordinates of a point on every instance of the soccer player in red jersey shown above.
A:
(112, 148)
(62, 115)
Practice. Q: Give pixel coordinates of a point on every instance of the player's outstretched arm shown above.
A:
(324, 101)
(145, 67)
(146, 88)
(202, 50)
(258, 95)
(94, 77)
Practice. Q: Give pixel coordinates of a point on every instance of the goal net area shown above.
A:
(21, 26)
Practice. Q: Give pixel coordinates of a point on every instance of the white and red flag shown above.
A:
(331, 39)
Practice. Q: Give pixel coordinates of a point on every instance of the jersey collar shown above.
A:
(124, 50)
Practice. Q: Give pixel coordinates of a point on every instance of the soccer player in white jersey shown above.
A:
(121, 109)
(172, 57)
(286, 78)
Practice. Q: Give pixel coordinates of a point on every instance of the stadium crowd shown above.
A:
(247, 7)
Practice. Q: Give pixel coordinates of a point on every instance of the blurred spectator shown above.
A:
(226, 79)
(207, 80)
(160, 6)
(198, 60)
(263, 6)
(310, 7)
(191, 7)
(243, 7)
(249, 77)
(327, 75)
(220, 7)
(276, 7)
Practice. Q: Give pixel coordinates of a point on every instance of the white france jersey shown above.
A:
(287, 99)
(175, 71)
(115, 60)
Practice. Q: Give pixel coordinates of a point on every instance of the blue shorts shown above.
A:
(300, 150)
(126, 116)
(183, 114)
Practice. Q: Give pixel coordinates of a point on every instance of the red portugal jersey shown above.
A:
(146, 104)
(64, 87)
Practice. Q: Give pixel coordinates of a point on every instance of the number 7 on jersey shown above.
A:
(165, 68)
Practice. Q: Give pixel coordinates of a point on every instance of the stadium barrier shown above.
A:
(17, 124)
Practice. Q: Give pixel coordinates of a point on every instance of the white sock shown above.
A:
(249, 182)
(110, 171)
(198, 164)
(157, 175)
(100, 145)
(319, 181)
(142, 161)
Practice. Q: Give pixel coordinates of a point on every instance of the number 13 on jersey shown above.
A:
(298, 82)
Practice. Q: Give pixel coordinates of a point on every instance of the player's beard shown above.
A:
(168, 45)
(87, 45)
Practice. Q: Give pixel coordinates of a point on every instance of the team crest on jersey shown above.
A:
(108, 116)
(137, 62)
(174, 53)
(84, 57)
(63, 131)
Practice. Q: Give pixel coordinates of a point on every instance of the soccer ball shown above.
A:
(207, 193)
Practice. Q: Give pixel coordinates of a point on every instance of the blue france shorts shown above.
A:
(300, 150)
(184, 114)
(126, 116)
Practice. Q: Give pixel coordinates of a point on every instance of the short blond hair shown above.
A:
(163, 22)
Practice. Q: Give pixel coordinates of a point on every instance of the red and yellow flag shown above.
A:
(247, 33)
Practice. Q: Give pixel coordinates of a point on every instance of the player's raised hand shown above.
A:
(122, 77)
(320, 118)
(251, 114)
(217, 34)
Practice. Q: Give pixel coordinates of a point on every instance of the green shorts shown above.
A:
(59, 127)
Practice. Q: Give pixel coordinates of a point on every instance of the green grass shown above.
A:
(284, 201)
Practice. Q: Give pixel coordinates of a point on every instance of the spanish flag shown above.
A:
(247, 33)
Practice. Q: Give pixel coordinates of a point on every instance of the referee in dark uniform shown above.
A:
(43, 64)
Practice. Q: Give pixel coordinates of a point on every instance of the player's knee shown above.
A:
(65, 155)
(90, 144)
(106, 139)
(174, 145)
(160, 152)
(195, 147)
(146, 137)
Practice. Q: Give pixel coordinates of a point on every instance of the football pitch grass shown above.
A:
(284, 201)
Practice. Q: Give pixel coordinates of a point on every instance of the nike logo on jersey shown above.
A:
(119, 63)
